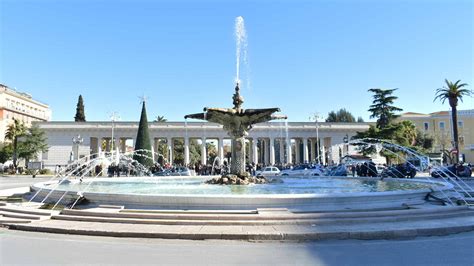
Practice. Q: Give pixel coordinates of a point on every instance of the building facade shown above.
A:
(268, 143)
(20, 106)
(439, 126)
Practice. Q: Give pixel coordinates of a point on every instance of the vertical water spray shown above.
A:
(241, 45)
(288, 144)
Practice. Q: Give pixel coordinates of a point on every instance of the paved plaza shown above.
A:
(20, 248)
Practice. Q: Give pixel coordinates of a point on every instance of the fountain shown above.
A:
(295, 192)
(297, 208)
(237, 122)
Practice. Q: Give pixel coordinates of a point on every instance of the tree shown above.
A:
(403, 133)
(194, 151)
(14, 131)
(340, 116)
(160, 118)
(360, 119)
(35, 142)
(453, 92)
(80, 115)
(382, 107)
(211, 152)
(423, 142)
(6, 152)
(143, 144)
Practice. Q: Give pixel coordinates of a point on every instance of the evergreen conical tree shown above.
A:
(143, 144)
(80, 115)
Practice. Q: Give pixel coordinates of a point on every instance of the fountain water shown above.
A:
(288, 144)
(241, 45)
(237, 121)
(390, 147)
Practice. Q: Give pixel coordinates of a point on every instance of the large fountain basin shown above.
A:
(297, 194)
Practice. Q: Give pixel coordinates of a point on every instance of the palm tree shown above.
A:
(160, 118)
(453, 92)
(14, 131)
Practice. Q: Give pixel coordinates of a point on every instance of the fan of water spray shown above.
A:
(241, 44)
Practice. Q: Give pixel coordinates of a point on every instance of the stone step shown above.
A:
(250, 221)
(111, 206)
(190, 211)
(11, 199)
(387, 230)
(10, 220)
(20, 215)
(264, 215)
(25, 210)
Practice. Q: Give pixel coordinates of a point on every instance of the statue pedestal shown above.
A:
(237, 167)
(231, 179)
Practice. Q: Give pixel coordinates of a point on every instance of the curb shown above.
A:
(283, 236)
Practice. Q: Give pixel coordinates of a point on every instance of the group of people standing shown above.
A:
(364, 169)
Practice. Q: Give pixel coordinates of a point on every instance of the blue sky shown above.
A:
(304, 56)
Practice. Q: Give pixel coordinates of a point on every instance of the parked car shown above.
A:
(451, 171)
(399, 171)
(316, 171)
(268, 171)
(302, 169)
(175, 171)
(339, 170)
(380, 169)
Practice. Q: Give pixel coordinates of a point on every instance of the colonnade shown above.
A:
(270, 143)
(266, 151)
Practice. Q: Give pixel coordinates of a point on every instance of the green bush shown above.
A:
(30, 172)
(45, 172)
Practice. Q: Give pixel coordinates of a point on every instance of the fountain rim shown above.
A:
(441, 186)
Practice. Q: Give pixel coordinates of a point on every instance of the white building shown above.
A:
(20, 106)
(268, 142)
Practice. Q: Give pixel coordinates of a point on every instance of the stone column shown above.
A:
(203, 152)
(116, 144)
(250, 150)
(323, 155)
(289, 155)
(272, 151)
(297, 151)
(186, 151)
(255, 151)
(266, 152)
(99, 146)
(220, 148)
(282, 152)
(312, 148)
(123, 146)
(305, 150)
(169, 142)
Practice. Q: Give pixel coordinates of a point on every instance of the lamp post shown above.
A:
(316, 117)
(113, 117)
(346, 141)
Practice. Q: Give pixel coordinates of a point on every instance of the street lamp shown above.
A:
(316, 117)
(346, 141)
(114, 116)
